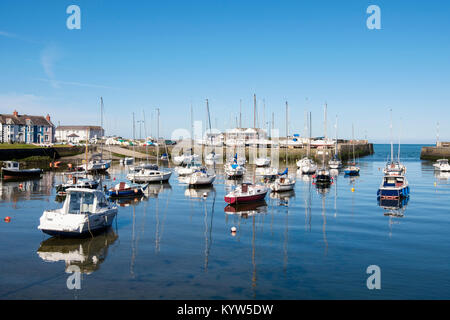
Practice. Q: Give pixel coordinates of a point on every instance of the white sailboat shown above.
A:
(307, 165)
(335, 162)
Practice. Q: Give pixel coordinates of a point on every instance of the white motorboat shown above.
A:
(283, 183)
(149, 175)
(442, 165)
(84, 211)
(262, 162)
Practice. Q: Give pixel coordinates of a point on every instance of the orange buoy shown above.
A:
(7, 219)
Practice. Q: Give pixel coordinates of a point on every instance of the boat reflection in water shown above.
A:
(283, 197)
(153, 190)
(394, 207)
(442, 176)
(86, 253)
(246, 210)
(199, 193)
(128, 201)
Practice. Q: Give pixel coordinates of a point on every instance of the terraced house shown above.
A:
(23, 128)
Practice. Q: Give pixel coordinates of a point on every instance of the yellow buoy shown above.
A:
(353, 189)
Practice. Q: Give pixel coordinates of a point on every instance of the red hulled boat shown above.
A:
(246, 192)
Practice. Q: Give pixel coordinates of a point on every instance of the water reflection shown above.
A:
(394, 207)
(20, 190)
(86, 253)
(199, 192)
(442, 176)
(246, 210)
(153, 190)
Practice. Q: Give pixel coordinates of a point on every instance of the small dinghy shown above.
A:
(246, 192)
(123, 189)
(11, 170)
(85, 211)
(76, 183)
(283, 182)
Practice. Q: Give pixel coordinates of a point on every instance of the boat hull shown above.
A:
(392, 193)
(245, 199)
(27, 173)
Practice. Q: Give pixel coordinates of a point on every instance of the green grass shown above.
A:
(17, 146)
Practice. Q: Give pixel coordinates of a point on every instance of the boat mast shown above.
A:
(254, 111)
(325, 134)
(192, 129)
(101, 126)
(310, 132)
(336, 148)
(240, 113)
(134, 139)
(87, 150)
(287, 131)
(145, 133)
(353, 143)
(157, 139)
(392, 143)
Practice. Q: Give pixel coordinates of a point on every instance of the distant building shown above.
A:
(75, 134)
(23, 128)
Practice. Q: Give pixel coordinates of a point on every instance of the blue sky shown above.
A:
(139, 55)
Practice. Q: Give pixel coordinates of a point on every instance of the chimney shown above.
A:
(15, 113)
(48, 117)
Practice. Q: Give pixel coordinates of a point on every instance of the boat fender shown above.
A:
(135, 190)
(233, 229)
(7, 219)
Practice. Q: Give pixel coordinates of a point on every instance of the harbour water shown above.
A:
(176, 244)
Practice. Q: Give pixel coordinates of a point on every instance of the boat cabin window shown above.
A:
(101, 202)
(81, 203)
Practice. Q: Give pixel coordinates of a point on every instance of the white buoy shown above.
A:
(233, 229)
(205, 194)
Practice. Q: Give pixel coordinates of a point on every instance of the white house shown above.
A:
(75, 134)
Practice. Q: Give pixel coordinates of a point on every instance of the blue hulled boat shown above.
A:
(393, 187)
(124, 189)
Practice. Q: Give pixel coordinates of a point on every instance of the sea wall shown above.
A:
(52, 153)
(434, 153)
(345, 151)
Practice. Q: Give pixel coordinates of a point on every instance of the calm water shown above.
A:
(173, 244)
